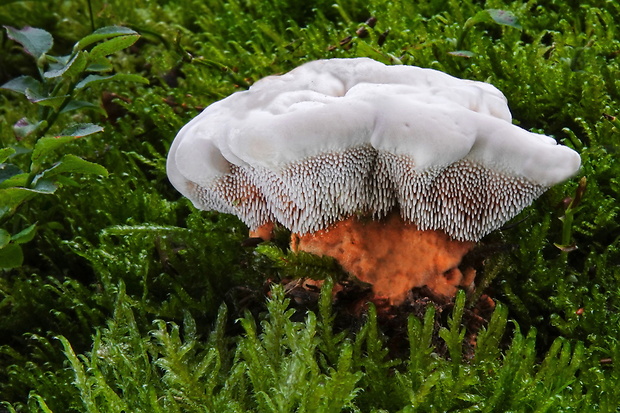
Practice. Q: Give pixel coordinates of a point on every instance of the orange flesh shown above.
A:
(265, 231)
(392, 255)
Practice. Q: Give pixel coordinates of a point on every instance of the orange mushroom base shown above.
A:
(392, 255)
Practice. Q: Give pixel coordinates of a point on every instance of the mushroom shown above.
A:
(396, 171)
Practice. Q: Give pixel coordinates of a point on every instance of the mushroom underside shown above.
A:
(384, 221)
(465, 200)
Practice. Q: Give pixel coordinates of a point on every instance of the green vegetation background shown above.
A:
(118, 306)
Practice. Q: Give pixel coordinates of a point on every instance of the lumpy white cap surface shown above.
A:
(427, 118)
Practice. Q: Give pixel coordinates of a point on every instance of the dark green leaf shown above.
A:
(56, 62)
(63, 180)
(8, 170)
(45, 186)
(54, 101)
(100, 65)
(112, 46)
(5, 153)
(34, 95)
(46, 145)
(81, 129)
(74, 164)
(23, 127)
(36, 42)
(17, 180)
(5, 238)
(94, 79)
(102, 34)
(11, 198)
(22, 84)
(11, 256)
(504, 17)
(25, 235)
(72, 68)
(481, 16)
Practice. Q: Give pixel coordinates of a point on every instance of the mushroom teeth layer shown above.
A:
(339, 137)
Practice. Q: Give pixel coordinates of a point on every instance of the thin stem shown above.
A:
(54, 116)
(90, 12)
(35, 168)
(568, 226)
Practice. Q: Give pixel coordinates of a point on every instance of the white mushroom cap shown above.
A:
(339, 137)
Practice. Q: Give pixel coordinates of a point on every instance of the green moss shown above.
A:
(280, 365)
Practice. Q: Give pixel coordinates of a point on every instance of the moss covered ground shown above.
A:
(125, 298)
